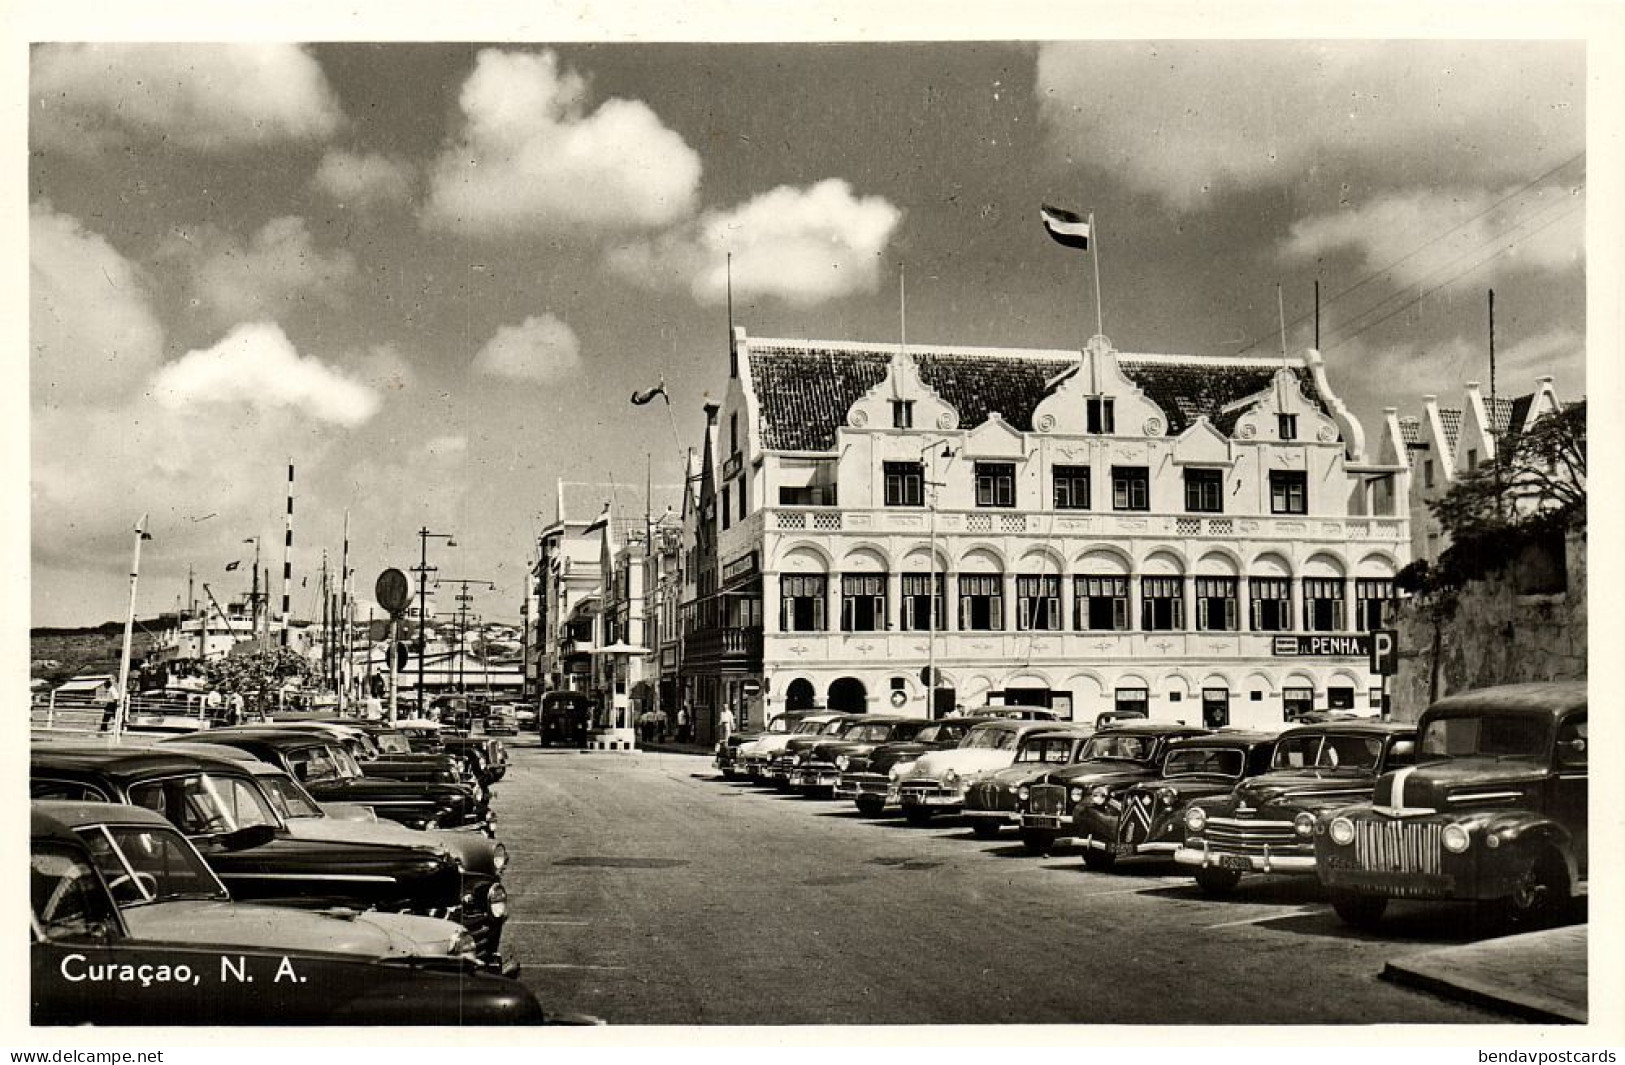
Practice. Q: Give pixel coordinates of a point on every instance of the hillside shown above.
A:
(57, 654)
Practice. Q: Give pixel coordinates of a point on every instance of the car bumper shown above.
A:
(1061, 823)
(1002, 816)
(813, 777)
(1206, 857)
(937, 800)
(1126, 850)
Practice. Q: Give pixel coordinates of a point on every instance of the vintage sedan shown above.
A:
(937, 781)
(815, 767)
(1114, 758)
(871, 780)
(501, 720)
(754, 758)
(166, 892)
(484, 907)
(1267, 824)
(218, 805)
(331, 775)
(992, 802)
(1147, 818)
(88, 966)
(1493, 812)
(728, 754)
(782, 765)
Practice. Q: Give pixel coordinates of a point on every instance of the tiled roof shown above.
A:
(1410, 429)
(1451, 420)
(804, 393)
(1500, 415)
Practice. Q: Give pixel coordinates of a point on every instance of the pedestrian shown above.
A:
(682, 724)
(660, 725)
(725, 725)
(234, 708)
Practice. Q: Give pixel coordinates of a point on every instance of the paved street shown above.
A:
(647, 890)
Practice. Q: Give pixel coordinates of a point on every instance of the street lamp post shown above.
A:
(423, 570)
(122, 713)
(934, 487)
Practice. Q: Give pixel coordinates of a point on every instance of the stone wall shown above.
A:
(1496, 635)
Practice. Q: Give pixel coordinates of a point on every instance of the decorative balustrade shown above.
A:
(916, 521)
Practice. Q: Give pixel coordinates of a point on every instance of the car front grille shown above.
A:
(1398, 847)
(1251, 837)
(1046, 800)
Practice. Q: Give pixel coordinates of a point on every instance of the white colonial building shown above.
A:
(1203, 538)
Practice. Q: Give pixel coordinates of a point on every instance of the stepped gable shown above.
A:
(804, 393)
(1188, 389)
(1451, 420)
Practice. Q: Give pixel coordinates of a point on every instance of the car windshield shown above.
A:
(392, 743)
(779, 724)
(1212, 761)
(867, 733)
(1352, 754)
(1044, 749)
(314, 764)
(288, 799)
(144, 864)
(996, 739)
(807, 728)
(204, 804)
(1125, 746)
(1492, 735)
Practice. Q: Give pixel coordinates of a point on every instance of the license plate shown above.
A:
(1040, 821)
(909, 798)
(1235, 861)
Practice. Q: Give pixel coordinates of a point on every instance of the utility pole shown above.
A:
(122, 713)
(463, 599)
(423, 569)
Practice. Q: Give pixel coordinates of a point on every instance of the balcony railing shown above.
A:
(1113, 525)
(726, 646)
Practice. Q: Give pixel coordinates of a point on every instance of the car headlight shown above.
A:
(1167, 796)
(841, 762)
(1456, 839)
(496, 900)
(1076, 794)
(1341, 830)
(1195, 819)
(499, 858)
(463, 945)
(1304, 824)
(949, 776)
(1099, 795)
(1023, 793)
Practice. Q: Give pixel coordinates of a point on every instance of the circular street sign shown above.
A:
(925, 676)
(898, 698)
(393, 591)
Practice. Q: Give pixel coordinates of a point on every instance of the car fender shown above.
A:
(1526, 832)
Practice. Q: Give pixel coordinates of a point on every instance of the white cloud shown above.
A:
(364, 180)
(255, 366)
(93, 336)
(804, 246)
(383, 367)
(1187, 119)
(530, 156)
(538, 349)
(209, 97)
(279, 266)
(1430, 237)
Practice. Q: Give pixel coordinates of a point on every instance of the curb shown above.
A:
(1449, 972)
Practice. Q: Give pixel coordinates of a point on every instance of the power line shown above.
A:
(1382, 271)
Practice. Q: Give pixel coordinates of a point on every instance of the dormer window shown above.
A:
(1286, 426)
(1100, 417)
(902, 413)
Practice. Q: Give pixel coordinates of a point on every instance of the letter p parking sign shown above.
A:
(1384, 652)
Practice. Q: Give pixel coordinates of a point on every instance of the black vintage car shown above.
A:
(314, 759)
(1267, 824)
(1115, 758)
(818, 764)
(869, 781)
(384, 751)
(993, 801)
(1148, 817)
(219, 806)
(85, 968)
(1494, 812)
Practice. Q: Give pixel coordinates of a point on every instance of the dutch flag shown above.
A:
(1065, 227)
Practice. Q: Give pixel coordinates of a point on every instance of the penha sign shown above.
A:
(1351, 646)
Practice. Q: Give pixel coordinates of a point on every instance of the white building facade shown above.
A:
(1199, 538)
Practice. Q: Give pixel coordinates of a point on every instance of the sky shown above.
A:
(430, 275)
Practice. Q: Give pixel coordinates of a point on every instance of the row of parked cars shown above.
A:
(306, 871)
(1482, 799)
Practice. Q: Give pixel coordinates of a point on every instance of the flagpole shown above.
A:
(1094, 251)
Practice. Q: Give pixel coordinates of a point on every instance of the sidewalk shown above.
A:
(673, 747)
(1540, 976)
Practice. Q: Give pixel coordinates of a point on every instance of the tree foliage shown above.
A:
(1532, 493)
